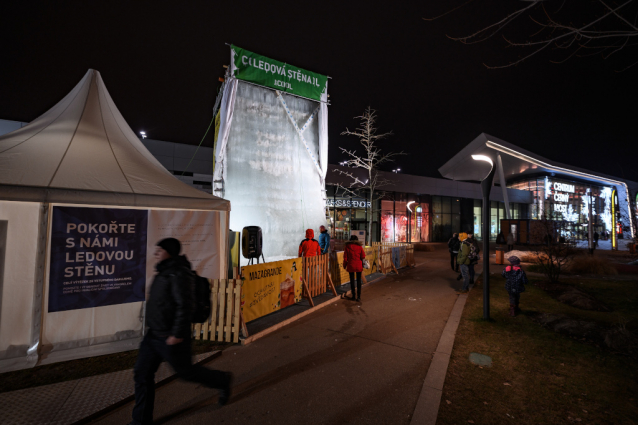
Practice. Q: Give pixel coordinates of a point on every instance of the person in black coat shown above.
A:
(168, 317)
(453, 246)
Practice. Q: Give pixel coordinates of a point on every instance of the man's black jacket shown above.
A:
(168, 309)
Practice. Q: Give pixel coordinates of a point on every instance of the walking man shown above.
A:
(475, 258)
(463, 261)
(453, 246)
(168, 317)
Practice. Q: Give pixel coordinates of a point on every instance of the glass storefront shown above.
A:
(405, 220)
(347, 215)
(403, 217)
(572, 202)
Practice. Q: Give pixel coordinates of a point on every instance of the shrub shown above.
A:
(587, 264)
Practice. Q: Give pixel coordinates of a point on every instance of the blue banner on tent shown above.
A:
(98, 257)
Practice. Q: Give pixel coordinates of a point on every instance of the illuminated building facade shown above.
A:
(584, 200)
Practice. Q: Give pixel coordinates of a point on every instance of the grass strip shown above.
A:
(539, 376)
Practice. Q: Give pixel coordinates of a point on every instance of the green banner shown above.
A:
(277, 75)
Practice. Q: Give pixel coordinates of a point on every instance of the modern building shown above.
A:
(585, 201)
(415, 209)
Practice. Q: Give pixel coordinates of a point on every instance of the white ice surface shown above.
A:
(271, 180)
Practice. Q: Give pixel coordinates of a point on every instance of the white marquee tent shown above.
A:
(82, 152)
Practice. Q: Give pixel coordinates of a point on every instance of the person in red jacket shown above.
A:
(353, 256)
(309, 247)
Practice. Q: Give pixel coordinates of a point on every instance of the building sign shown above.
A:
(277, 75)
(560, 195)
(347, 203)
(98, 257)
(564, 187)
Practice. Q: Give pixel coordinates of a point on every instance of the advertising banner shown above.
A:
(269, 287)
(98, 257)
(199, 232)
(277, 75)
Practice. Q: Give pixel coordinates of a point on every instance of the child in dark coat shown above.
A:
(515, 281)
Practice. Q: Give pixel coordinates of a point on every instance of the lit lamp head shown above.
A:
(484, 159)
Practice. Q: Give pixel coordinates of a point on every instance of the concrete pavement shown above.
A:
(347, 363)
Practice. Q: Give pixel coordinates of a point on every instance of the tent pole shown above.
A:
(37, 320)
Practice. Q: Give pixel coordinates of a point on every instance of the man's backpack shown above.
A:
(201, 299)
(473, 256)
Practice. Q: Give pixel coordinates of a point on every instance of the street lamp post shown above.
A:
(486, 187)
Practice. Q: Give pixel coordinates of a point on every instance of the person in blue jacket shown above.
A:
(324, 240)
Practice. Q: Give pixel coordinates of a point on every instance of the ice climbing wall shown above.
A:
(271, 180)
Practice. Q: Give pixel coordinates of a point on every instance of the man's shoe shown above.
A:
(358, 299)
(224, 393)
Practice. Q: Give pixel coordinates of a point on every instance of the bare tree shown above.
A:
(370, 160)
(556, 250)
(578, 27)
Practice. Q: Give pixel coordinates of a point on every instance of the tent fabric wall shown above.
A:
(72, 334)
(19, 224)
(79, 152)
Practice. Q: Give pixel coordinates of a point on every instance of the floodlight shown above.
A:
(483, 158)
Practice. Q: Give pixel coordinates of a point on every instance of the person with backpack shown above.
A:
(170, 307)
(353, 255)
(474, 255)
(309, 247)
(515, 281)
(453, 246)
(463, 260)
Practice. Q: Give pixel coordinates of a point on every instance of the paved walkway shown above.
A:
(71, 401)
(346, 363)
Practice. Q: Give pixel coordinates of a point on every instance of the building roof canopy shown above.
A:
(517, 163)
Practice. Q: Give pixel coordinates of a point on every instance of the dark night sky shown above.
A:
(161, 62)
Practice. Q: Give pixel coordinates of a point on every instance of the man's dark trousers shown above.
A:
(153, 350)
(453, 256)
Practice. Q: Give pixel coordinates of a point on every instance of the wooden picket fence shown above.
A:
(224, 323)
(315, 277)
